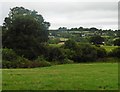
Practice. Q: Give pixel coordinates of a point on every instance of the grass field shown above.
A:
(89, 76)
(109, 48)
(55, 45)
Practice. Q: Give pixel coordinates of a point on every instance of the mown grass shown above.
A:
(89, 76)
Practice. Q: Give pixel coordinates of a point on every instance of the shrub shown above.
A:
(6, 64)
(67, 61)
(12, 60)
(8, 54)
(41, 62)
(69, 53)
(32, 53)
(70, 44)
(117, 42)
(20, 62)
(101, 52)
(55, 54)
(96, 40)
(85, 53)
(115, 52)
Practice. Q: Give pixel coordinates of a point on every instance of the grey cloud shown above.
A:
(72, 14)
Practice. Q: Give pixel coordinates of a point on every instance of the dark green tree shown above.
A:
(24, 31)
(70, 44)
(118, 33)
(97, 40)
(117, 42)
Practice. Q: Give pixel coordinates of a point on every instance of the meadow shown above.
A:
(83, 76)
(34, 57)
(109, 48)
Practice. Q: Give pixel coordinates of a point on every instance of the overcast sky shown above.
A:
(102, 15)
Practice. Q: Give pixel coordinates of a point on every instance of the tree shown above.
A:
(70, 44)
(117, 42)
(24, 31)
(118, 33)
(62, 29)
(97, 40)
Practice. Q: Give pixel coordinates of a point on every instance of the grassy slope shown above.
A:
(109, 48)
(68, 77)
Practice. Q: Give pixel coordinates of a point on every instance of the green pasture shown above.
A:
(55, 45)
(109, 48)
(84, 76)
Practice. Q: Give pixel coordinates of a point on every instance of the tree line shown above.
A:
(25, 43)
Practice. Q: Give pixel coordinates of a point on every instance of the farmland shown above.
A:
(37, 57)
(84, 76)
(109, 48)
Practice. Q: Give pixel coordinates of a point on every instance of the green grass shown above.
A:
(90, 76)
(55, 45)
(109, 48)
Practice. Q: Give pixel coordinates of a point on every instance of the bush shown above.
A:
(32, 53)
(20, 62)
(69, 53)
(70, 44)
(67, 61)
(85, 53)
(41, 62)
(82, 53)
(101, 52)
(8, 54)
(12, 60)
(55, 54)
(117, 42)
(115, 52)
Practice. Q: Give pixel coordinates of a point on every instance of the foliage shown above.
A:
(96, 40)
(117, 42)
(67, 61)
(12, 60)
(54, 54)
(101, 52)
(70, 44)
(9, 55)
(85, 53)
(115, 52)
(42, 62)
(23, 31)
(69, 53)
(20, 62)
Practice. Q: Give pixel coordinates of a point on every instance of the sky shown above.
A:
(73, 13)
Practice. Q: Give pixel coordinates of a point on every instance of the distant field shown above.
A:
(55, 45)
(89, 76)
(109, 48)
